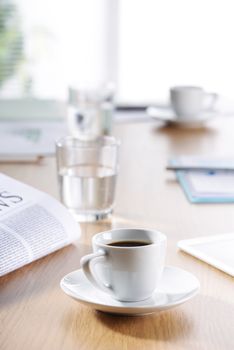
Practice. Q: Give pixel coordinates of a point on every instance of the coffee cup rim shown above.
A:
(161, 238)
(186, 87)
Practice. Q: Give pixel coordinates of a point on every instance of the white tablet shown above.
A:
(217, 250)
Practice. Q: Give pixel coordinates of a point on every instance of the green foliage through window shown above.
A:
(11, 40)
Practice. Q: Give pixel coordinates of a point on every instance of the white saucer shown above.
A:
(176, 287)
(167, 115)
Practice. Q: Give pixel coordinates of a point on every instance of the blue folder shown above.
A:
(194, 196)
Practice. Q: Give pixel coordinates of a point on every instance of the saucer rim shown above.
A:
(202, 118)
(130, 309)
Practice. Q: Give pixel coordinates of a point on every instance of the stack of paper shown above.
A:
(28, 140)
(206, 186)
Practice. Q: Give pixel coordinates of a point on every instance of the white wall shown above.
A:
(169, 42)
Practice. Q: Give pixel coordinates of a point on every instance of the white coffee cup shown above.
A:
(189, 101)
(127, 272)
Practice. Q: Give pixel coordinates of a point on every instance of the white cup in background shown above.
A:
(189, 101)
(123, 268)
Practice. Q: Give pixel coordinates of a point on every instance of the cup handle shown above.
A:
(87, 263)
(211, 98)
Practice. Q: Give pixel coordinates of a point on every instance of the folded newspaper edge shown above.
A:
(32, 224)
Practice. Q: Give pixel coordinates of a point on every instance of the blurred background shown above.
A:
(143, 47)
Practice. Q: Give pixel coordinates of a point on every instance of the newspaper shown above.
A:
(32, 225)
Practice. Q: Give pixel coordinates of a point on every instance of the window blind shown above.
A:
(11, 40)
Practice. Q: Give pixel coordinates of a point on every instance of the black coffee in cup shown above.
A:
(129, 243)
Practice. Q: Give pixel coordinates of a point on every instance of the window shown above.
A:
(55, 44)
(145, 46)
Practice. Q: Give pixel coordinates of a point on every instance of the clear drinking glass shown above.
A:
(90, 112)
(87, 172)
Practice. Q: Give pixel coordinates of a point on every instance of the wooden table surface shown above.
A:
(36, 314)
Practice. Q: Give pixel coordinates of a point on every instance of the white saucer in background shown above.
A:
(167, 115)
(176, 287)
